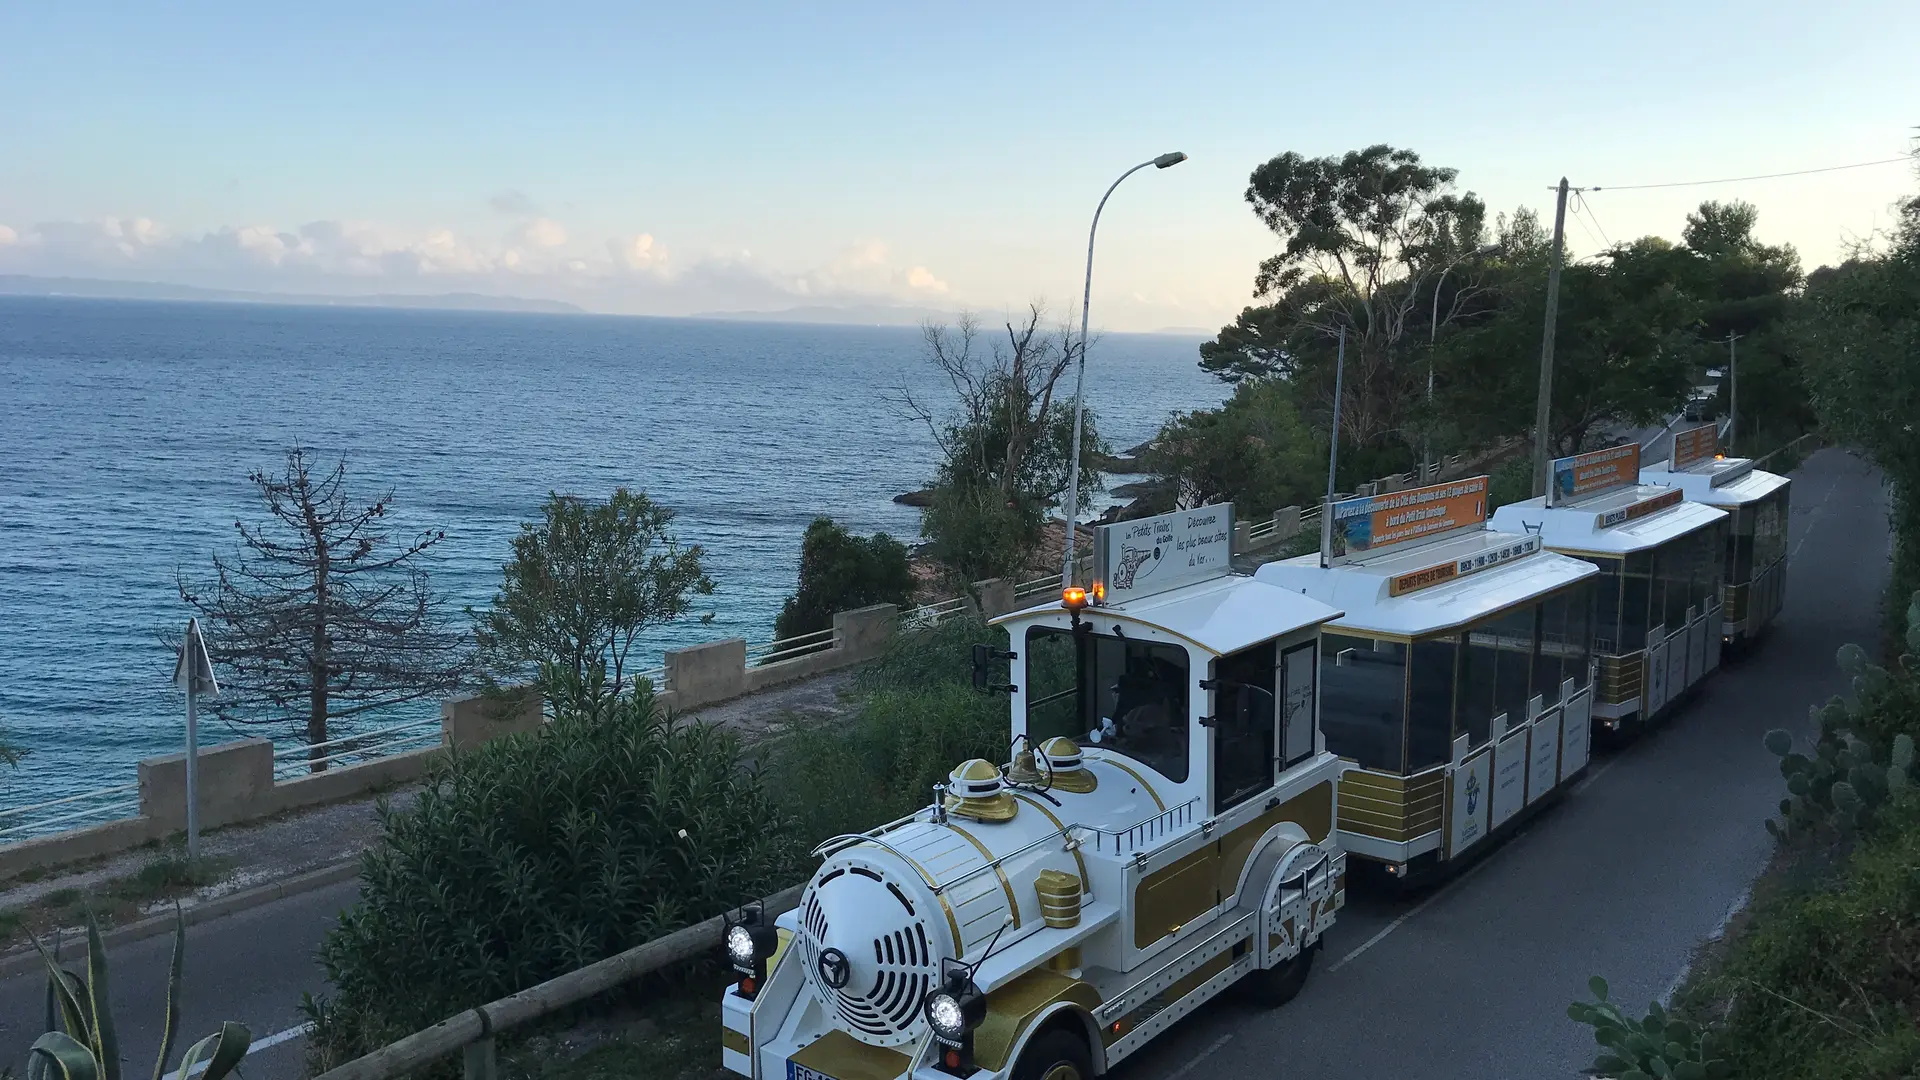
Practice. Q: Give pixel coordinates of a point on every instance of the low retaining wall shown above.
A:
(237, 782)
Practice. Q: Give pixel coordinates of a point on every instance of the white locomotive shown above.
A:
(1164, 831)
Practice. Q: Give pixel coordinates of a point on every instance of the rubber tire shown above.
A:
(1051, 1049)
(1273, 987)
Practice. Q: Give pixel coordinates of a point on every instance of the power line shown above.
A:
(1586, 211)
(1739, 179)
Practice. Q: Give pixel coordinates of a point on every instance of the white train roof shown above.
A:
(1221, 615)
(1717, 481)
(1578, 526)
(1515, 570)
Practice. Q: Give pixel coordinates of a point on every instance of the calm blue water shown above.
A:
(127, 430)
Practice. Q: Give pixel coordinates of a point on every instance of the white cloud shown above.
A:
(541, 233)
(542, 259)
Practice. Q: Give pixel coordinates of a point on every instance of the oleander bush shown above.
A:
(534, 855)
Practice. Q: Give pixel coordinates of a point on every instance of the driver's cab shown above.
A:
(1195, 708)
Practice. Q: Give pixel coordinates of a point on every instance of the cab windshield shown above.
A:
(1115, 693)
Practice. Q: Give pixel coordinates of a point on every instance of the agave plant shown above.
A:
(87, 1048)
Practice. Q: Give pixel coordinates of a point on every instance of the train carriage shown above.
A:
(1163, 831)
(1458, 679)
(1756, 502)
(1657, 606)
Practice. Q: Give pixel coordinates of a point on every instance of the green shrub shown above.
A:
(534, 855)
(919, 717)
(1510, 483)
(839, 572)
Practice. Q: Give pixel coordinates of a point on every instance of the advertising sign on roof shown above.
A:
(1440, 573)
(1581, 475)
(1132, 559)
(1694, 445)
(1608, 520)
(1366, 525)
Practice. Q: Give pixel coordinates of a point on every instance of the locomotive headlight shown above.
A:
(953, 1009)
(740, 947)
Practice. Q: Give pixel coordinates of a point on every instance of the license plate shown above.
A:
(797, 1071)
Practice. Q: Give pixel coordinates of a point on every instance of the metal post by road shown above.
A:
(1164, 161)
(1733, 391)
(193, 672)
(1542, 409)
(193, 779)
(1333, 449)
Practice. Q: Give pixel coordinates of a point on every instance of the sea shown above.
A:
(128, 430)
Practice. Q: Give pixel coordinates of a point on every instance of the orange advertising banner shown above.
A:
(1694, 445)
(1586, 474)
(1371, 522)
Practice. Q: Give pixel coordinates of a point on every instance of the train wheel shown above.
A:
(1275, 986)
(1056, 1055)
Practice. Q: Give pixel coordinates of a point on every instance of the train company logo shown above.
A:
(1473, 794)
(835, 970)
(1135, 563)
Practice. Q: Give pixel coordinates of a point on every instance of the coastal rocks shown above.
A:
(921, 499)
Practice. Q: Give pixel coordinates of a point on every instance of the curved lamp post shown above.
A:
(1164, 161)
(1433, 333)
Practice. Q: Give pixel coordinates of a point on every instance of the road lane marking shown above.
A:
(262, 1044)
(1204, 1055)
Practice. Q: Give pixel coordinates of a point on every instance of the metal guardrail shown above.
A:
(292, 762)
(472, 1032)
(1795, 445)
(69, 812)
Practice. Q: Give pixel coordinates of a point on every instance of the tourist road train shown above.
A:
(1195, 754)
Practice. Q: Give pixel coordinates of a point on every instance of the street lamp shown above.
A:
(1433, 333)
(1164, 161)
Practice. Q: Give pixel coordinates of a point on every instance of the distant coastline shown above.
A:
(99, 289)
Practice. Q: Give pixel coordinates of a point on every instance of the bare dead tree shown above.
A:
(320, 617)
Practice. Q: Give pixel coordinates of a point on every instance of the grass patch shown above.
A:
(675, 1038)
(115, 901)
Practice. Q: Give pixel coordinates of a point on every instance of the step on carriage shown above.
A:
(1458, 679)
(1164, 831)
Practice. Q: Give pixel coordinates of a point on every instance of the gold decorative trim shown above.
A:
(1013, 904)
(959, 943)
(1079, 860)
(991, 810)
(735, 1041)
(1059, 898)
(843, 1057)
(1012, 1008)
(1129, 770)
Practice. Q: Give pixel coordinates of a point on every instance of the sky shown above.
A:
(647, 158)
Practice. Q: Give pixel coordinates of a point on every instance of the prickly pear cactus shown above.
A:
(1659, 1045)
(1840, 784)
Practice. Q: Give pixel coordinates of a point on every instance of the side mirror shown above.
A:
(984, 655)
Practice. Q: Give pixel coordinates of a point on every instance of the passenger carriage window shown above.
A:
(1552, 656)
(1605, 613)
(1580, 628)
(1636, 596)
(1245, 697)
(1363, 699)
(1430, 681)
(1514, 635)
(1473, 702)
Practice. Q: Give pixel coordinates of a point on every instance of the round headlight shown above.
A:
(949, 1021)
(739, 945)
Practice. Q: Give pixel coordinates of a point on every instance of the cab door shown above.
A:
(1246, 743)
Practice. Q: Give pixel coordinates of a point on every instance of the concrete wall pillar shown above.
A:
(1286, 522)
(863, 633)
(996, 597)
(703, 674)
(467, 722)
(236, 780)
(1242, 537)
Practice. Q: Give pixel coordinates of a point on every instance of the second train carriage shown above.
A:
(1459, 679)
(1756, 503)
(1657, 604)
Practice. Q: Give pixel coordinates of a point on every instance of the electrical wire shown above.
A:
(1586, 211)
(1580, 219)
(1739, 179)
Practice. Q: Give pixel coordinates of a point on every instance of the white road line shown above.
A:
(1204, 1055)
(1505, 847)
(262, 1044)
(1719, 931)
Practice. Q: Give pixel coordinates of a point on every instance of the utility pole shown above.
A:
(1542, 410)
(1733, 388)
(1333, 449)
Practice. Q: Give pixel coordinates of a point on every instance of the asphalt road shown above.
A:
(250, 967)
(1647, 857)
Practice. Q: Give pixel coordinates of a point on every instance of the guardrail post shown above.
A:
(480, 1061)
